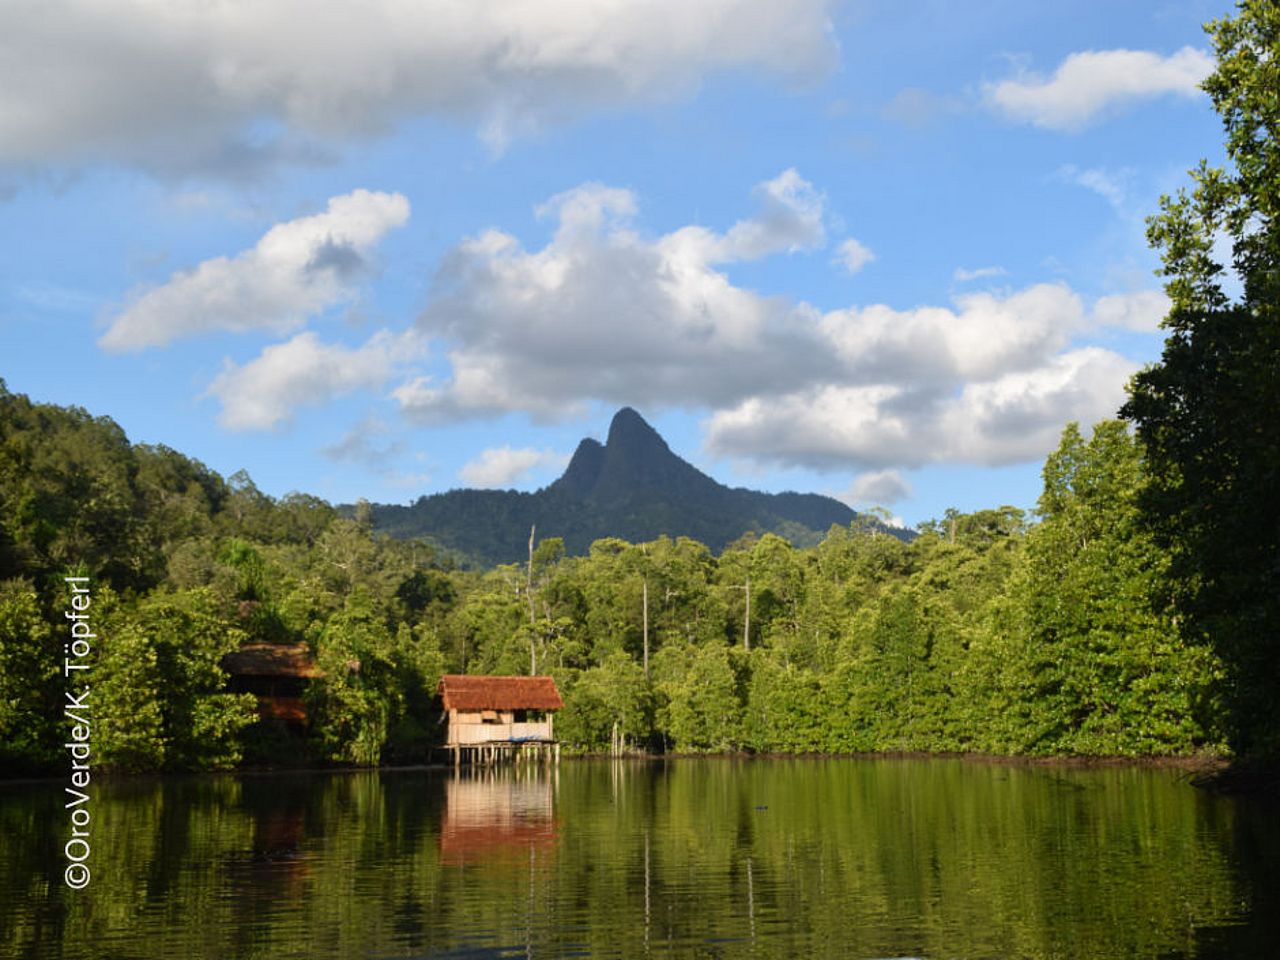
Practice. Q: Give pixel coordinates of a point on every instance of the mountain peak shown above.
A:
(633, 486)
(629, 430)
(584, 469)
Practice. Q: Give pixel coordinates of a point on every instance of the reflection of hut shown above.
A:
(497, 820)
(492, 718)
(277, 674)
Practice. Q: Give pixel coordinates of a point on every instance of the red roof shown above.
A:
(464, 692)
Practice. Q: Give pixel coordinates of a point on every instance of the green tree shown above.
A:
(418, 664)
(1207, 412)
(484, 630)
(354, 705)
(67, 495)
(785, 710)
(886, 684)
(159, 686)
(30, 680)
(698, 694)
(1112, 675)
(607, 706)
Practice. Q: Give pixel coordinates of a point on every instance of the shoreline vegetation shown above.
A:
(1136, 616)
(986, 634)
(1203, 770)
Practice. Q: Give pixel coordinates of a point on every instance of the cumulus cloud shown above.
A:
(602, 312)
(789, 219)
(853, 256)
(1086, 85)
(303, 372)
(879, 488)
(176, 87)
(1011, 418)
(503, 466)
(1144, 310)
(987, 335)
(297, 269)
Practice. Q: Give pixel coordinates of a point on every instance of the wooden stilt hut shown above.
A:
(277, 674)
(499, 718)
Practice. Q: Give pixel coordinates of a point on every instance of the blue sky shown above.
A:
(883, 251)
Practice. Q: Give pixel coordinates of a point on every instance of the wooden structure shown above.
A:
(491, 719)
(277, 674)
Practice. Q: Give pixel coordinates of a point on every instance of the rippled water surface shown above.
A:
(696, 858)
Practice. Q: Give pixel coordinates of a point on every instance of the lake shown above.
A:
(844, 858)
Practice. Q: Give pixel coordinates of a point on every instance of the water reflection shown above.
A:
(275, 866)
(498, 815)
(722, 858)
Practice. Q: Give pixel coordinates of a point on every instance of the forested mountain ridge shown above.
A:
(1136, 617)
(983, 634)
(632, 487)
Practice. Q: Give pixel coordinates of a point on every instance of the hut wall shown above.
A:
(468, 731)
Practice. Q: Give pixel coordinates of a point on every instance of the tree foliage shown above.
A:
(985, 633)
(1206, 413)
(158, 687)
(30, 679)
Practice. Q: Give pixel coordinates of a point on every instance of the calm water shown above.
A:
(694, 858)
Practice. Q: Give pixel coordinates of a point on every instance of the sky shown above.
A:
(883, 251)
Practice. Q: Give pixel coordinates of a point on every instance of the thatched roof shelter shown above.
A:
(272, 660)
(468, 694)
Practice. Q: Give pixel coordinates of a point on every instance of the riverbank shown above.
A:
(1212, 772)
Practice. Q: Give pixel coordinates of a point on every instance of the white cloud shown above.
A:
(1144, 310)
(405, 480)
(1088, 84)
(503, 466)
(177, 87)
(297, 269)
(1111, 185)
(362, 448)
(1011, 418)
(986, 336)
(879, 488)
(56, 298)
(853, 256)
(790, 220)
(964, 276)
(602, 312)
(303, 372)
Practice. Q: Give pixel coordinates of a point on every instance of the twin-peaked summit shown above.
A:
(632, 486)
(634, 457)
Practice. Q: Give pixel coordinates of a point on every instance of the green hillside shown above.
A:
(631, 487)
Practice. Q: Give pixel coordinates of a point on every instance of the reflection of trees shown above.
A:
(275, 866)
(773, 859)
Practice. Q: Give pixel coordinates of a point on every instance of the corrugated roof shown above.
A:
(465, 692)
(271, 660)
